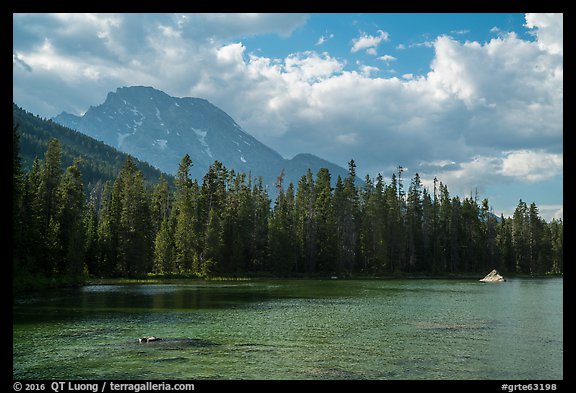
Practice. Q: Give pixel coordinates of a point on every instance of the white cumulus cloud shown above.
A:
(550, 31)
(325, 38)
(368, 42)
(532, 165)
(387, 58)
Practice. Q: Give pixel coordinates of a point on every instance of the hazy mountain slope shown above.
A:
(100, 161)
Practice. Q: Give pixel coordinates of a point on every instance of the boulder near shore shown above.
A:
(493, 276)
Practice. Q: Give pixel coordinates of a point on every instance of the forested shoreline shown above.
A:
(227, 225)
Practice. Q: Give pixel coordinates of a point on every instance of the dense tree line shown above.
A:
(226, 225)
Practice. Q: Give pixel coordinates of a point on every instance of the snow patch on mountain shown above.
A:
(202, 139)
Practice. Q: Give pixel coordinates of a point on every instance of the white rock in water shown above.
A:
(148, 339)
(493, 276)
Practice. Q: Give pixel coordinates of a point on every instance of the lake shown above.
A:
(293, 329)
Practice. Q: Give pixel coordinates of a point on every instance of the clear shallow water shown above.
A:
(293, 329)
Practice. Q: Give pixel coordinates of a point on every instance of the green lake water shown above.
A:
(293, 329)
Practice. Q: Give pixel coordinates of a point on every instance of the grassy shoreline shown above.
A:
(29, 283)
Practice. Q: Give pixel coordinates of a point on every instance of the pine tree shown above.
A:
(538, 241)
(163, 223)
(442, 234)
(51, 175)
(259, 232)
(17, 200)
(50, 179)
(395, 230)
(504, 245)
(92, 242)
(164, 247)
(491, 258)
(187, 241)
(134, 234)
(326, 226)
(32, 246)
(444, 225)
(306, 222)
(161, 204)
(520, 238)
(429, 251)
(340, 215)
(373, 234)
(108, 229)
(454, 234)
(352, 219)
(213, 245)
(471, 236)
(212, 202)
(70, 216)
(281, 235)
(557, 246)
(414, 222)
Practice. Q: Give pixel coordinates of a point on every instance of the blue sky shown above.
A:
(473, 99)
(409, 37)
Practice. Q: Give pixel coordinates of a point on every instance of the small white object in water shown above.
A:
(147, 339)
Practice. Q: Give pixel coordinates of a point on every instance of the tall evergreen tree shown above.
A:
(164, 247)
(135, 238)
(557, 246)
(50, 180)
(17, 198)
(213, 245)
(306, 222)
(454, 234)
(71, 210)
(326, 226)
(395, 230)
(429, 250)
(163, 226)
(504, 244)
(444, 240)
(31, 255)
(108, 229)
(352, 219)
(470, 236)
(259, 232)
(187, 234)
(281, 234)
(161, 203)
(538, 242)
(51, 175)
(92, 242)
(520, 238)
(212, 202)
(486, 237)
(414, 222)
(340, 216)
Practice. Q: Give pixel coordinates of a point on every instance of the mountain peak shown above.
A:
(153, 126)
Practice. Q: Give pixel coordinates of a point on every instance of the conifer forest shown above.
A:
(228, 225)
